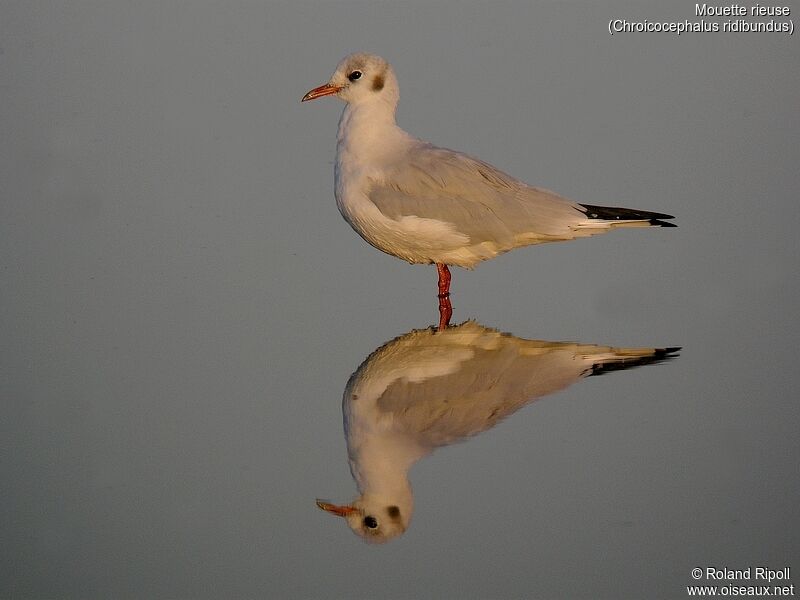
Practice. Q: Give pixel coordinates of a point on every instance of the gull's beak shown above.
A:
(319, 92)
(334, 509)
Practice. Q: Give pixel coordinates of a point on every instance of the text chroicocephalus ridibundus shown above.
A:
(427, 389)
(432, 205)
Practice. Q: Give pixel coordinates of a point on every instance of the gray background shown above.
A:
(182, 304)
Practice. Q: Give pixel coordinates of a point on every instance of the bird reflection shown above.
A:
(431, 388)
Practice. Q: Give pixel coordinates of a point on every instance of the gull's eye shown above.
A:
(370, 522)
(354, 75)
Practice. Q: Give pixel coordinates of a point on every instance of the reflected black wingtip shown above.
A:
(659, 355)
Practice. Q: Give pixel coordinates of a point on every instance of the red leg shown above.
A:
(445, 308)
(444, 279)
(445, 312)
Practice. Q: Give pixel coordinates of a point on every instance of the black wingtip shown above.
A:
(611, 213)
(665, 353)
(660, 223)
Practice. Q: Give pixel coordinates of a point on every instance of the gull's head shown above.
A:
(358, 79)
(376, 520)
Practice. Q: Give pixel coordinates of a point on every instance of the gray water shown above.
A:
(182, 305)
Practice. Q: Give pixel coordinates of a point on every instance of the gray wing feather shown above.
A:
(479, 200)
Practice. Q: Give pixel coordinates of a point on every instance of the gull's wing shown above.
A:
(479, 200)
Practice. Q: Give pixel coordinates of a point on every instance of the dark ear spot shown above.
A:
(394, 512)
(377, 83)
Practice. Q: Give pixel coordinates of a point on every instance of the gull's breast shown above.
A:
(409, 237)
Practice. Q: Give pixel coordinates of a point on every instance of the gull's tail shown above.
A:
(605, 216)
(618, 359)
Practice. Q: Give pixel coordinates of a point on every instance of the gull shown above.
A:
(427, 389)
(431, 205)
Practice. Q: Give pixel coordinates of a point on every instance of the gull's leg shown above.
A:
(445, 308)
(445, 312)
(444, 279)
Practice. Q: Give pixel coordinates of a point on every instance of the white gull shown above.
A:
(431, 205)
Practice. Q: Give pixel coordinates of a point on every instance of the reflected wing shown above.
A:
(445, 386)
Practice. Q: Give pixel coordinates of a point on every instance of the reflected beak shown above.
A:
(335, 509)
(319, 92)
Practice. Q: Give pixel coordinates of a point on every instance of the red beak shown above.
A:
(319, 92)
